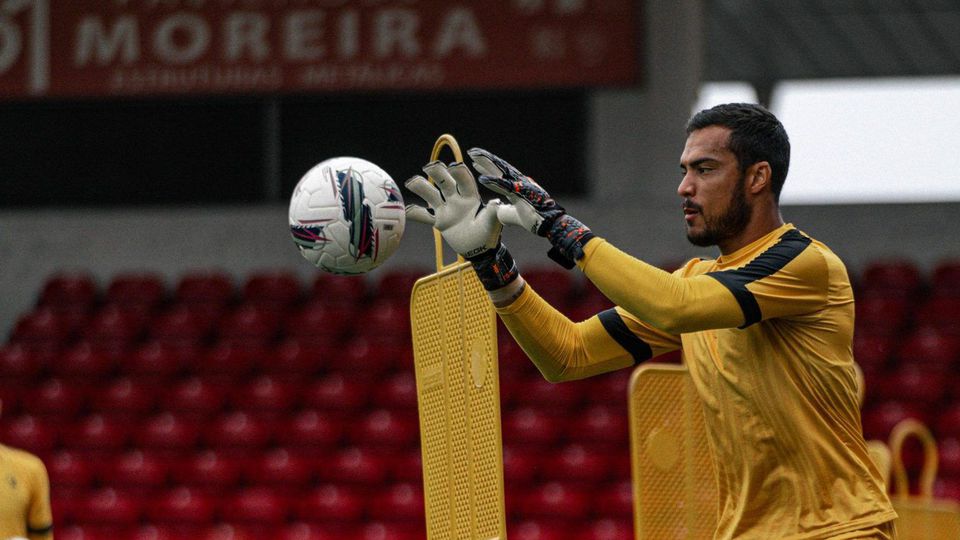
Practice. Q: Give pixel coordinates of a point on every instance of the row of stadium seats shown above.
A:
(320, 402)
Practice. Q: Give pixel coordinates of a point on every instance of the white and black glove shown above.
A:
(532, 208)
(468, 225)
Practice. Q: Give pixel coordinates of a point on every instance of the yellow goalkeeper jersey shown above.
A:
(24, 495)
(766, 333)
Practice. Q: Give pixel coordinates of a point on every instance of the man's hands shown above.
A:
(465, 222)
(532, 208)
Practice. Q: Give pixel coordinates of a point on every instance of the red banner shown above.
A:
(148, 47)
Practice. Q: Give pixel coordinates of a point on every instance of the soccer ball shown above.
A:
(346, 215)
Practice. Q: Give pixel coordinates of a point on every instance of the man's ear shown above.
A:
(758, 177)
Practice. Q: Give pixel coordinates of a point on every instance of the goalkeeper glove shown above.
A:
(468, 225)
(532, 208)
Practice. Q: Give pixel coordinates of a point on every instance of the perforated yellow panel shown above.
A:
(455, 357)
(928, 519)
(674, 484)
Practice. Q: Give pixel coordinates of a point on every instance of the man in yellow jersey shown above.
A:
(765, 329)
(24, 496)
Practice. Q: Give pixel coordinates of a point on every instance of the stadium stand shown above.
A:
(212, 408)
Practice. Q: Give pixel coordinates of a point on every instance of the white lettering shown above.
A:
(459, 29)
(97, 43)
(302, 35)
(10, 44)
(348, 37)
(395, 30)
(197, 38)
(246, 33)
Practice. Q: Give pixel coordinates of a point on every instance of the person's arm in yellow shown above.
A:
(566, 350)
(40, 515)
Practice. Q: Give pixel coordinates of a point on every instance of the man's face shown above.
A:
(715, 204)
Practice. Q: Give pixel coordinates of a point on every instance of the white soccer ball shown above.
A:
(346, 215)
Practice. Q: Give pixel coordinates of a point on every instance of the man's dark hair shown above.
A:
(755, 135)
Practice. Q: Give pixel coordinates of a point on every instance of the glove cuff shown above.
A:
(495, 267)
(568, 236)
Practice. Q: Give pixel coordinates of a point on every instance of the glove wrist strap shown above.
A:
(568, 236)
(495, 267)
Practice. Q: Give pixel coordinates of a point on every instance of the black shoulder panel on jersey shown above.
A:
(618, 330)
(771, 261)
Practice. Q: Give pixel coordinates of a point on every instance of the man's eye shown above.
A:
(704, 170)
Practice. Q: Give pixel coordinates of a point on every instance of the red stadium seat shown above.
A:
(881, 314)
(892, 276)
(879, 419)
(70, 470)
(554, 500)
(520, 465)
(266, 394)
(941, 313)
(615, 500)
(945, 278)
(948, 421)
(116, 325)
(168, 432)
(397, 391)
(303, 530)
(384, 321)
(535, 391)
(205, 287)
(385, 428)
(554, 285)
(609, 388)
(56, 398)
(607, 529)
(530, 426)
(396, 285)
(30, 433)
(338, 392)
(43, 325)
(86, 361)
(77, 290)
(158, 360)
(249, 323)
(331, 503)
(126, 396)
(296, 358)
(281, 468)
(197, 397)
(949, 451)
(385, 530)
(873, 351)
(238, 430)
(600, 424)
(209, 470)
(181, 506)
(913, 383)
(406, 465)
(181, 324)
(370, 357)
(930, 347)
(397, 502)
(310, 429)
(320, 321)
(546, 529)
(578, 462)
(256, 505)
(110, 506)
(278, 289)
(99, 433)
(21, 363)
(229, 359)
(355, 466)
(334, 289)
(145, 289)
(135, 470)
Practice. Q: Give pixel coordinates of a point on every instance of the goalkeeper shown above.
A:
(765, 329)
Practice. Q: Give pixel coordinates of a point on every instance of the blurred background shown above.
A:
(165, 342)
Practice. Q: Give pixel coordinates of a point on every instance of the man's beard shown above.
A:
(720, 228)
